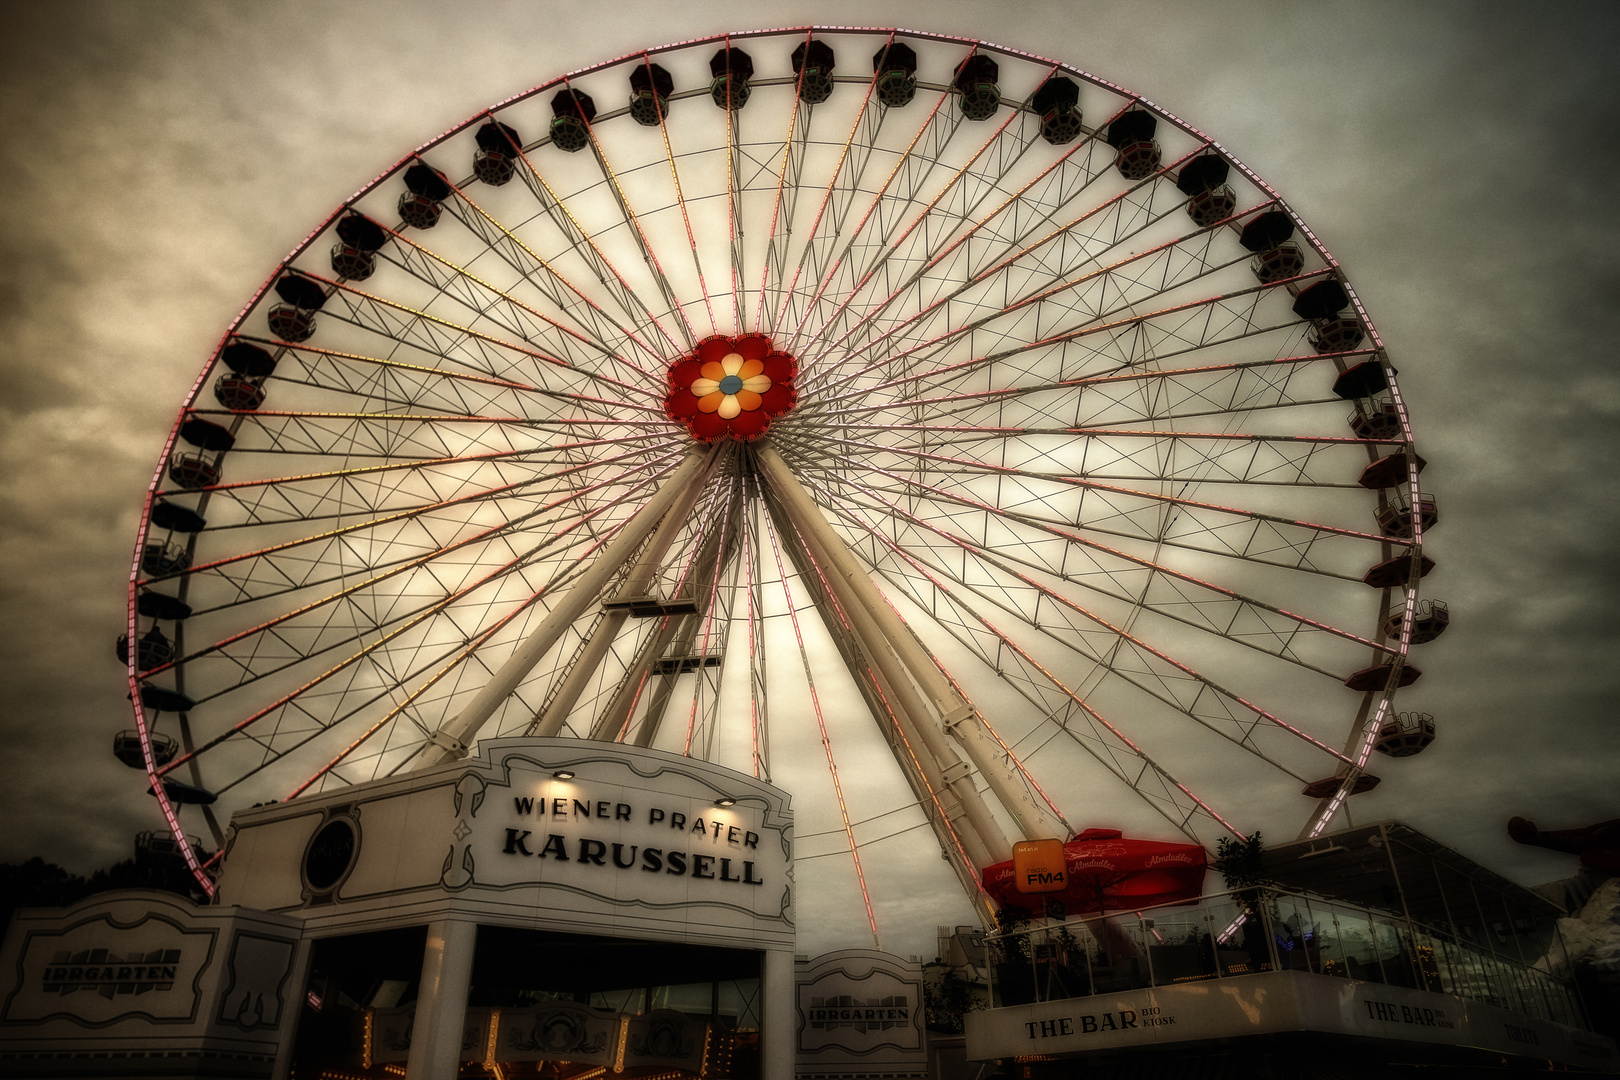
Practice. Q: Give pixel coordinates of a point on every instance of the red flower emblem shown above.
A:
(731, 386)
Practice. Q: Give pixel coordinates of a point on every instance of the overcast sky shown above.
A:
(1458, 159)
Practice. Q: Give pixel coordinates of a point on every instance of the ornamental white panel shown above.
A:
(561, 834)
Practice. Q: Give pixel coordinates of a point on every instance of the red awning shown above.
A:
(1107, 872)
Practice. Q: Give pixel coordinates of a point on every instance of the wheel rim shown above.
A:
(1064, 410)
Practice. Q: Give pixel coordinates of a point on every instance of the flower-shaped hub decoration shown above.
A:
(731, 386)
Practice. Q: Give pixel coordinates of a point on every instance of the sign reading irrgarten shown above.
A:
(105, 972)
(844, 1010)
(859, 1014)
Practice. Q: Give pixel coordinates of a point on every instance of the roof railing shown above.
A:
(1247, 931)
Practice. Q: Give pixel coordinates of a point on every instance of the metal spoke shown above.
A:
(1003, 566)
(1111, 225)
(628, 301)
(826, 741)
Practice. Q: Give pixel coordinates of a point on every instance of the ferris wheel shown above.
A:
(947, 434)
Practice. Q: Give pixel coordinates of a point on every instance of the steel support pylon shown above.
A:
(675, 498)
(902, 658)
(939, 740)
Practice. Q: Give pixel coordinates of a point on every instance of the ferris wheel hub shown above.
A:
(731, 387)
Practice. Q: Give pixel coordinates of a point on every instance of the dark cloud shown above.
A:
(161, 158)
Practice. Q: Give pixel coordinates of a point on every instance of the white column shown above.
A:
(441, 1002)
(777, 1050)
(293, 1011)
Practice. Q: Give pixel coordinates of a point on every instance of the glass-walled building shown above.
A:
(1368, 946)
(1493, 940)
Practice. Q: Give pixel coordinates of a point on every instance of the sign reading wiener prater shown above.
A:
(568, 834)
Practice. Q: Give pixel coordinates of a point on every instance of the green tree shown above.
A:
(945, 1001)
(1012, 943)
(37, 883)
(1239, 862)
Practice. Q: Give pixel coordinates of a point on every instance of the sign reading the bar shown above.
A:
(1272, 1002)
